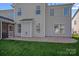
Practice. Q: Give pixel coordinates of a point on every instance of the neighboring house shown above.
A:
(41, 20)
(7, 13)
(75, 23)
(6, 24)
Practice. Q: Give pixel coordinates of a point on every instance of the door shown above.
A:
(4, 30)
(10, 31)
(26, 29)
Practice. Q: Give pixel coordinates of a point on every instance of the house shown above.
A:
(75, 23)
(6, 24)
(42, 20)
(7, 13)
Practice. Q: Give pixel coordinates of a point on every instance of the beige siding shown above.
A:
(58, 18)
(75, 27)
(29, 12)
(46, 21)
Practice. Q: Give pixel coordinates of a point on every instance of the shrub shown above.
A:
(75, 36)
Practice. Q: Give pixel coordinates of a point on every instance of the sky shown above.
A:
(4, 6)
(75, 8)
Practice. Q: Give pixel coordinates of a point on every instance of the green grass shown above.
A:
(25, 48)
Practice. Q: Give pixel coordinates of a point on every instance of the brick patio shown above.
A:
(46, 39)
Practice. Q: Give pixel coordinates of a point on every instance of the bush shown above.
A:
(75, 36)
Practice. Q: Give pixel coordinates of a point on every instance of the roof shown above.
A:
(26, 19)
(66, 4)
(7, 10)
(6, 18)
(75, 13)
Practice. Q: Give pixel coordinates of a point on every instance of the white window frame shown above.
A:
(58, 31)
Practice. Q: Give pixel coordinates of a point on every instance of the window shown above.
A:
(38, 28)
(59, 28)
(11, 14)
(75, 22)
(19, 12)
(37, 10)
(51, 12)
(19, 28)
(56, 28)
(10, 28)
(75, 32)
(66, 11)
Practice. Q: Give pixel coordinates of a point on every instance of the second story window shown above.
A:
(37, 10)
(51, 12)
(19, 12)
(66, 11)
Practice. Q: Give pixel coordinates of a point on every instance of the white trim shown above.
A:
(7, 21)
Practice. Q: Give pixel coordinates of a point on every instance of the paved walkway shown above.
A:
(47, 39)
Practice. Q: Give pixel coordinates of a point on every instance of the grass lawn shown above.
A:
(25, 48)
